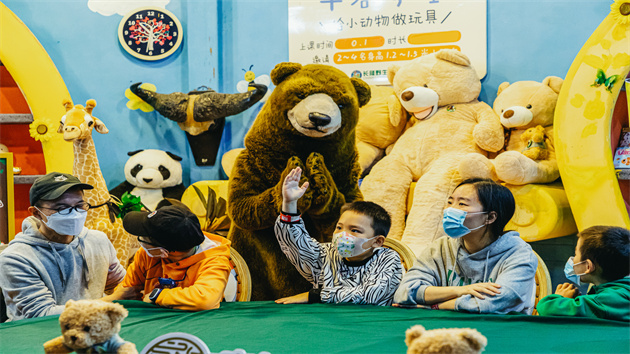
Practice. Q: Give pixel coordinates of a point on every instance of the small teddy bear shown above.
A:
(535, 143)
(91, 326)
(444, 340)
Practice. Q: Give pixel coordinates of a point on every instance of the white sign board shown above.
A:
(363, 37)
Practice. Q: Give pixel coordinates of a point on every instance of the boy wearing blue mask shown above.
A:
(602, 258)
(353, 268)
(479, 268)
(56, 258)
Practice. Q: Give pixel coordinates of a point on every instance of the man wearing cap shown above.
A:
(178, 265)
(55, 258)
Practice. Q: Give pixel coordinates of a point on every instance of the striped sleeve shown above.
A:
(374, 287)
(306, 254)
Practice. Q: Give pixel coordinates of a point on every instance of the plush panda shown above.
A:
(152, 175)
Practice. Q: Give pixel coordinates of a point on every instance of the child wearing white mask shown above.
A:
(602, 258)
(479, 268)
(56, 258)
(353, 268)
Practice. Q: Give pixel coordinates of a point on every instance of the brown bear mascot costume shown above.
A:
(308, 121)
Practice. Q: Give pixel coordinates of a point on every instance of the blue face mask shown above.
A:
(569, 271)
(453, 222)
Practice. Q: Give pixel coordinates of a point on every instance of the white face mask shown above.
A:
(348, 245)
(158, 252)
(69, 224)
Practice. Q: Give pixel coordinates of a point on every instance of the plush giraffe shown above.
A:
(77, 125)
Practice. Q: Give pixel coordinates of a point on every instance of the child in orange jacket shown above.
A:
(178, 264)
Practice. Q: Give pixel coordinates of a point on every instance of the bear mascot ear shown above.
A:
(284, 70)
(554, 82)
(363, 91)
(454, 56)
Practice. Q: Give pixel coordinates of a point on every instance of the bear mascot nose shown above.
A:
(508, 114)
(147, 180)
(319, 119)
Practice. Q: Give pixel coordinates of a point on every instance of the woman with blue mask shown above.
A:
(479, 267)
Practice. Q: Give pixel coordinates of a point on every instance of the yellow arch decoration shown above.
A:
(40, 82)
(583, 122)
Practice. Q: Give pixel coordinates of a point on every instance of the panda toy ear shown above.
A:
(173, 156)
(131, 153)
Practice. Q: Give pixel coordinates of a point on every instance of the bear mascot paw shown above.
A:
(309, 121)
(526, 110)
(440, 91)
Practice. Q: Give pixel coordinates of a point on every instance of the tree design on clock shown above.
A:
(150, 33)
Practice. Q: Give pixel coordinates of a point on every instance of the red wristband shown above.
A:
(289, 218)
(435, 307)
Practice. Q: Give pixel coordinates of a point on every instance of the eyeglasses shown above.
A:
(67, 210)
(147, 240)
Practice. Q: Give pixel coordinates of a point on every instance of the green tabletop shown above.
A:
(347, 328)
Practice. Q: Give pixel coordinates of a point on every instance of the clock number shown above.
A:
(139, 16)
(170, 43)
(170, 23)
(126, 32)
(174, 34)
(151, 13)
(130, 23)
(162, 16)
(151, 53)
(138, 50)
(129, 42)
(162, 50)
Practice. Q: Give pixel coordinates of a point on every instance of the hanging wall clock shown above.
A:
(150, 33)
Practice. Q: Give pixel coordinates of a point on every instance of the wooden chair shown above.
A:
(243, 278)
(407, 256)
(543, 282)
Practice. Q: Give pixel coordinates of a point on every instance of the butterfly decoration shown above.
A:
(608, 82)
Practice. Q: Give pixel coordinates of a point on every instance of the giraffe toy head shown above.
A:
(78, 121)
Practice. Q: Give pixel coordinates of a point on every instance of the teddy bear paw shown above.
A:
(476, 165)
(511, 167)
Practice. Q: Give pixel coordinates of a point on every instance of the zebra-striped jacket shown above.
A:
(371, 281)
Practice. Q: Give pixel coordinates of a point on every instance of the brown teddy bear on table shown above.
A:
(308, 121)
(521, 106)
(91, 326)
(444, 340)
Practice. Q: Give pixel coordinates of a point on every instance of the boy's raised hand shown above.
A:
(291, 190)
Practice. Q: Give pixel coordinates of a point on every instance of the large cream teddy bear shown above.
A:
(522, 106)
(441, 91)
(381, 122)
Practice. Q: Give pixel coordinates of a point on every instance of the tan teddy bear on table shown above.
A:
(444, 340)
(440, 90)
(91, 326)
(521, 106)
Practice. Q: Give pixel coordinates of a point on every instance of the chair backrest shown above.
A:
(543, 282)
(242, 275)
(407, 256)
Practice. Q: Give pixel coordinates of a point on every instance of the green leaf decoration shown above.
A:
(128, 202)
(216, 216)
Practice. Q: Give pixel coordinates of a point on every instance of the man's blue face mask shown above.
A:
(453, 222)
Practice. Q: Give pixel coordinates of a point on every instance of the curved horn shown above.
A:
(172, 106)
(213, 105)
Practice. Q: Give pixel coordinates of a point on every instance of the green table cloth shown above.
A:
(345, 328)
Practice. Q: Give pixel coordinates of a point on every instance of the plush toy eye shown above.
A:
(529, 106)
(161, 168)
(67, 327)
(341, 105)
(425, 85)
(502, 110)
(301, 95)
(86, 328)
(90, 123)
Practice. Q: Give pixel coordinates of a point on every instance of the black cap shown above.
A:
(53, 185)
(174, 227)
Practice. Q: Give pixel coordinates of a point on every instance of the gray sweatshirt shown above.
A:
(508, 261)
(37, 276)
